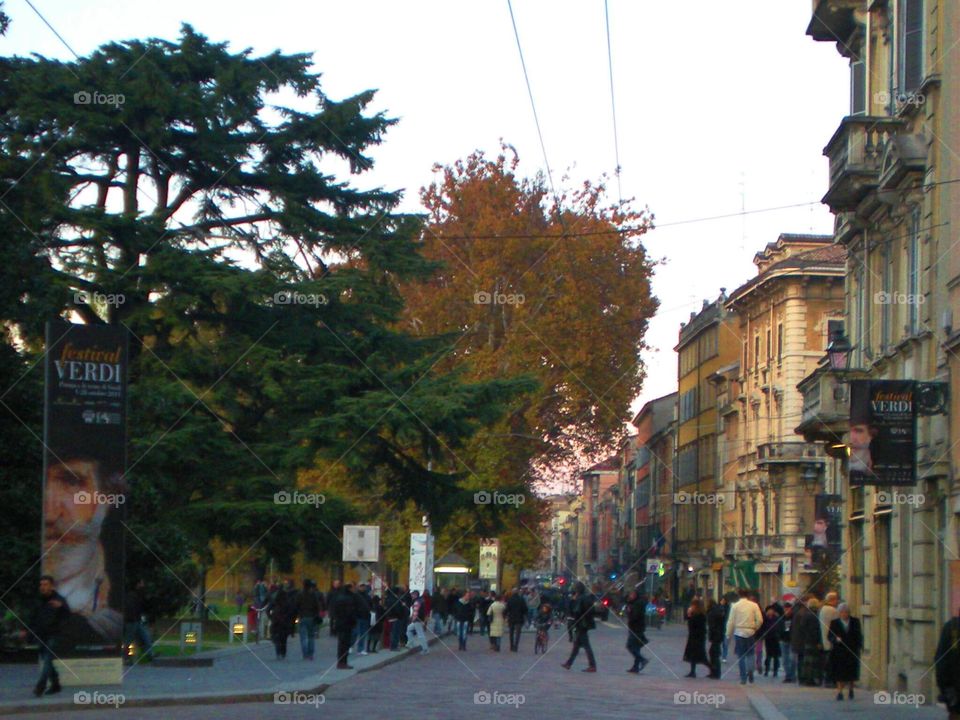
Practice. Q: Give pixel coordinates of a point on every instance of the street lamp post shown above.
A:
(838, 351)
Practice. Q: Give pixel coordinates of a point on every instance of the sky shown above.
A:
(719, 106)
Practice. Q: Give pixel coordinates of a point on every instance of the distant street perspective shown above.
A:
(476, 359)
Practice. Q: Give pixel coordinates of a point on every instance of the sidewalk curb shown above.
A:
(764, 707)
(207, 698)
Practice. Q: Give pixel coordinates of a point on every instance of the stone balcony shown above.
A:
(787, 453)
(856, 153)
(754, 544)
(826, 407)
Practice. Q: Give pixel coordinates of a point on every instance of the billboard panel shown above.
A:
(883, 432)
(84, 490)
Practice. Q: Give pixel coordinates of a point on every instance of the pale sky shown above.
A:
(714, 99)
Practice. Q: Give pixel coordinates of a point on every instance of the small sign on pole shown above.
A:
(361, 543)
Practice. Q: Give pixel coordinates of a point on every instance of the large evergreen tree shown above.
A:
(259, 289)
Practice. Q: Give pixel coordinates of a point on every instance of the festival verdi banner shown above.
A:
(883, 432)
(84, 489)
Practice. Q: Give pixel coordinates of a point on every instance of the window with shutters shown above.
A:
(909, 47)
(687, 465)
(688, 405)
(779, 342)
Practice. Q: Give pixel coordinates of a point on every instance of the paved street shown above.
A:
(477, 683)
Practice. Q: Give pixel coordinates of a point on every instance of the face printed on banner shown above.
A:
(65, 520)
(75, 507)
(861, 435)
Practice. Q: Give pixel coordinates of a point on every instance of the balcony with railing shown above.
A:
(856, 154)
(754, 544)
(826, 405)
(774, 453)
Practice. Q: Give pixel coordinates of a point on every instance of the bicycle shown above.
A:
(543, 638)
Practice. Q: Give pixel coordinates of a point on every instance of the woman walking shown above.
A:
(847, 639)
(696, 649)
(281, 622)
(497, 613)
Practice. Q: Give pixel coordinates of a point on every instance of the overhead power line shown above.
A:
(613, 103)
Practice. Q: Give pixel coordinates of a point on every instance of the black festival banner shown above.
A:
(84, 489)
(882, 449)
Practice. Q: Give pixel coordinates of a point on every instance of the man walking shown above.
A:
(516, 617)
(744, 621)
(462, 612)
(362, 629)
(637, 627)
(582, 611)
(345, 616)
(50, 614)
(331, 595)
(308, 608)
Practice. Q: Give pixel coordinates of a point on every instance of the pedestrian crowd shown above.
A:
(817, 643)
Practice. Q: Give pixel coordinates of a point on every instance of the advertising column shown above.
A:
(421, 562)
(489, 567)
(85, 494)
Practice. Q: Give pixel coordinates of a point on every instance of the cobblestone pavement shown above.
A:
(480, 683)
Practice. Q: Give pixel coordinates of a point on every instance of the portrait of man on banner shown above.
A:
(862, 433)
(85, 491)
(83, 503)
(882, 433)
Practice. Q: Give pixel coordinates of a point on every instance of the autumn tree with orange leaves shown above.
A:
(557, 287)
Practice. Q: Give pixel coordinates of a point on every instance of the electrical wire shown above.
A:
(613, 103)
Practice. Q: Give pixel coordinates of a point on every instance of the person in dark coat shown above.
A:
(481, 602)
(463, 610)
(345, 616)
(799, 611)
(696, 650)
(716, 627)
(810, 638)
(516, 617)
(49, 616)
(328, 602)
(847, 642)
(770, 634)
(947, 664)
(308, 604)
(582, 610)
(282, 613)
(637, 627)
(396, 610)
(361, 631)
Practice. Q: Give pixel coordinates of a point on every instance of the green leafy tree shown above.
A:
(163, 187)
